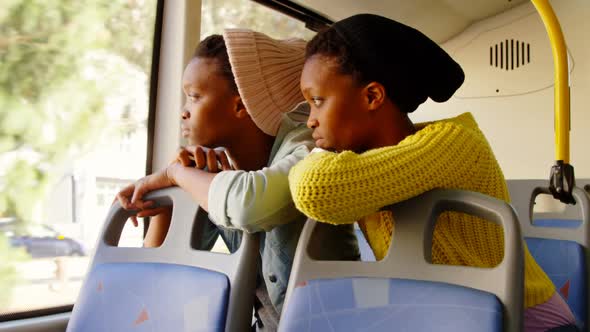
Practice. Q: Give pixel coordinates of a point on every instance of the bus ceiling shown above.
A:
(438, 19)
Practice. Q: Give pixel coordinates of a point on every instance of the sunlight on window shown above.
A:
(74, 96)
(74, 80)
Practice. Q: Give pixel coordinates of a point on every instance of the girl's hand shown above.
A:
(215, 160)
(131, 197)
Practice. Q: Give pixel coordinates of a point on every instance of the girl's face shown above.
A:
(208, 116)
(339, 111)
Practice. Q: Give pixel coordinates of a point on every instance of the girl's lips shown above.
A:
(319, 142)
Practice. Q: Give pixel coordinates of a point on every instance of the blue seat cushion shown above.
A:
(151, 297)
(380, 304)
(557, 223)
(565, 264)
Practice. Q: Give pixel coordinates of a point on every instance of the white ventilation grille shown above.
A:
(505, 56)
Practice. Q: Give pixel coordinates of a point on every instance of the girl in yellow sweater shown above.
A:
(361, 78)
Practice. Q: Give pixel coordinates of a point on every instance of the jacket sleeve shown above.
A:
(257, 201)
(340, 188)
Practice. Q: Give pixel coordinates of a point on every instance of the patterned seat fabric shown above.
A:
(381, 304)
(151, 297)
(564, 262)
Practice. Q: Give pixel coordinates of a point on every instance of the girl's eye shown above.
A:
(317, 101)
(193, 98)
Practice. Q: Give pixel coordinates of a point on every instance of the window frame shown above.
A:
(312, 19)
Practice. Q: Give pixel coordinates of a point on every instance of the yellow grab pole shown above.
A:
(562, 89)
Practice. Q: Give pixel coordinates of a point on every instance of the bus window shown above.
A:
(219, 14)
(74, 96)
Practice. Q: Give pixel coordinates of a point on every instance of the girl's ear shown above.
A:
(375, 93)
(240, 108)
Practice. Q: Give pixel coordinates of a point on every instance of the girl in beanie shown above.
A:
(361, 78)
(238, 88)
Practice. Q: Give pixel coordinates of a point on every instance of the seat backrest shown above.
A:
(367, 254)
(561, 246)
(564, 263)
(169, 288)
(406, 274)
(523, 194)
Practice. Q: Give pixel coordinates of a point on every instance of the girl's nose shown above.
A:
(312, 122)
(185, 114)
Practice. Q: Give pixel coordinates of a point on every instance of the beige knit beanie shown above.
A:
(267, 73)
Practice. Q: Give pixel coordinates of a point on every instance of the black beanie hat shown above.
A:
(410, 65)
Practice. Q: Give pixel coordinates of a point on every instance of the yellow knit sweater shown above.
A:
(341, 188)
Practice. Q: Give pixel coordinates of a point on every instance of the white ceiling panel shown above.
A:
(438, 19)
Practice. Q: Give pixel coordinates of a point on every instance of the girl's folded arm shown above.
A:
(340, 188)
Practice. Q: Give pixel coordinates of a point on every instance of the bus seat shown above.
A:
(404, 291)
(564, 263)
(568, 219)
(559, 245)
(557, 223)
(169, 288)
